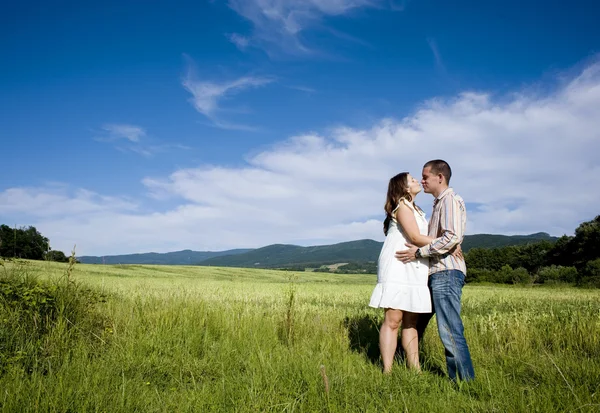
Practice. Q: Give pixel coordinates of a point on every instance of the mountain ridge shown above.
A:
(289, 255)
(183, 257)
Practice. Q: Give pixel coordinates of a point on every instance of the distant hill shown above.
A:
(281, 255)
(285, 256)
(185, 257)
(288, 256)
(495, 241)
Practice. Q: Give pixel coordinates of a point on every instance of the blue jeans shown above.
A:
(446, 291)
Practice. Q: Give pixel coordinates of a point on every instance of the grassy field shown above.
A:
(195, 339)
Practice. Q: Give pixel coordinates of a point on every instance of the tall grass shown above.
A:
(40, 318)
(214, 339)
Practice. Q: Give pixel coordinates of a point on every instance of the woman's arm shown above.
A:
(406, 218)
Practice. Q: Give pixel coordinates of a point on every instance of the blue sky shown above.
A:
(131, 127)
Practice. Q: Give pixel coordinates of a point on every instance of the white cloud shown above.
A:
(58, 201)
(206, 96)
(279, 23)
(523, 164)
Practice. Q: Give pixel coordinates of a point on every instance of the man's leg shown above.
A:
(422, 323)
(446, 289)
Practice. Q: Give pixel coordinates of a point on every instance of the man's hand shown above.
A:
(457, 253)
(407, 255)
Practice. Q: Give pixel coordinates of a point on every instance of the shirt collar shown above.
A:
(443, 194)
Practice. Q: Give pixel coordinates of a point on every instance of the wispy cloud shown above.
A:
(132, 138)
(303, 88)
(115, 132)
(278, 24)
(436, 54)
(242, 42)
(398, 5)
(150, 151)
(206, 96)
(349, 38)
(515, 159)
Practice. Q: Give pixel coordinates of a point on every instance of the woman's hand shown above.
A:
(457, 253)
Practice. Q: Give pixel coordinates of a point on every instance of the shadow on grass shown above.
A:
(363, 334)
(431, 366)
(430, 363)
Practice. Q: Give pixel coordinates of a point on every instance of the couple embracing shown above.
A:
(421, 270)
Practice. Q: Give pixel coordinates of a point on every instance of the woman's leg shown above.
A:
(410, 340)
(388, 337)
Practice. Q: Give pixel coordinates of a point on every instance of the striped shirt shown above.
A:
(447, 226)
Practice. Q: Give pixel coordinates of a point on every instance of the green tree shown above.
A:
(532, 256)
(577, 251)
(25, 242)
(56, 255)
(590, 275)
(487, 258)
(561, 253)
(586, 243)
(529, 256)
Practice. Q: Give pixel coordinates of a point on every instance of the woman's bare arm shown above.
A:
(406, 218)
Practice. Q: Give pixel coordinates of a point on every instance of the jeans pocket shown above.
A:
(457, 281)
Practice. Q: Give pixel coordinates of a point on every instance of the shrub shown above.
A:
(592, 269)
(58, 256)
(505, 275)
(481, 275)
(40, 319)
(590, 276)
(521, 276)
(556, 274)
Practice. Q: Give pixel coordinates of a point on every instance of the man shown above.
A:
(446, 272)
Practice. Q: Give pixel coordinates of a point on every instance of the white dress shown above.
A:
(402, 286)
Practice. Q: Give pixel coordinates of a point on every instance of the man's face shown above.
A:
(430, 181)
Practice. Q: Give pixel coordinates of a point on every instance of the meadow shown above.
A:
(200, 339)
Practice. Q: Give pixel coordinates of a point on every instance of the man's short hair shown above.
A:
(440, 167)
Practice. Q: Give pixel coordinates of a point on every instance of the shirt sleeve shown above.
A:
(451, 219)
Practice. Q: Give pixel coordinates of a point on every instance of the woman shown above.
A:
(402, 288)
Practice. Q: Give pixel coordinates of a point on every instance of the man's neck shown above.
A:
(438, 193)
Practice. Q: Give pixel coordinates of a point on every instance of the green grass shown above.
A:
(187, 339)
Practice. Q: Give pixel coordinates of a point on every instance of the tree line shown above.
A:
(571, 259)
(27, 243)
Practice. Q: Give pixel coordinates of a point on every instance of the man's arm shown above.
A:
(451, 219)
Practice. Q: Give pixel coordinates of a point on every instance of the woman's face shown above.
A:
(413, 185)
